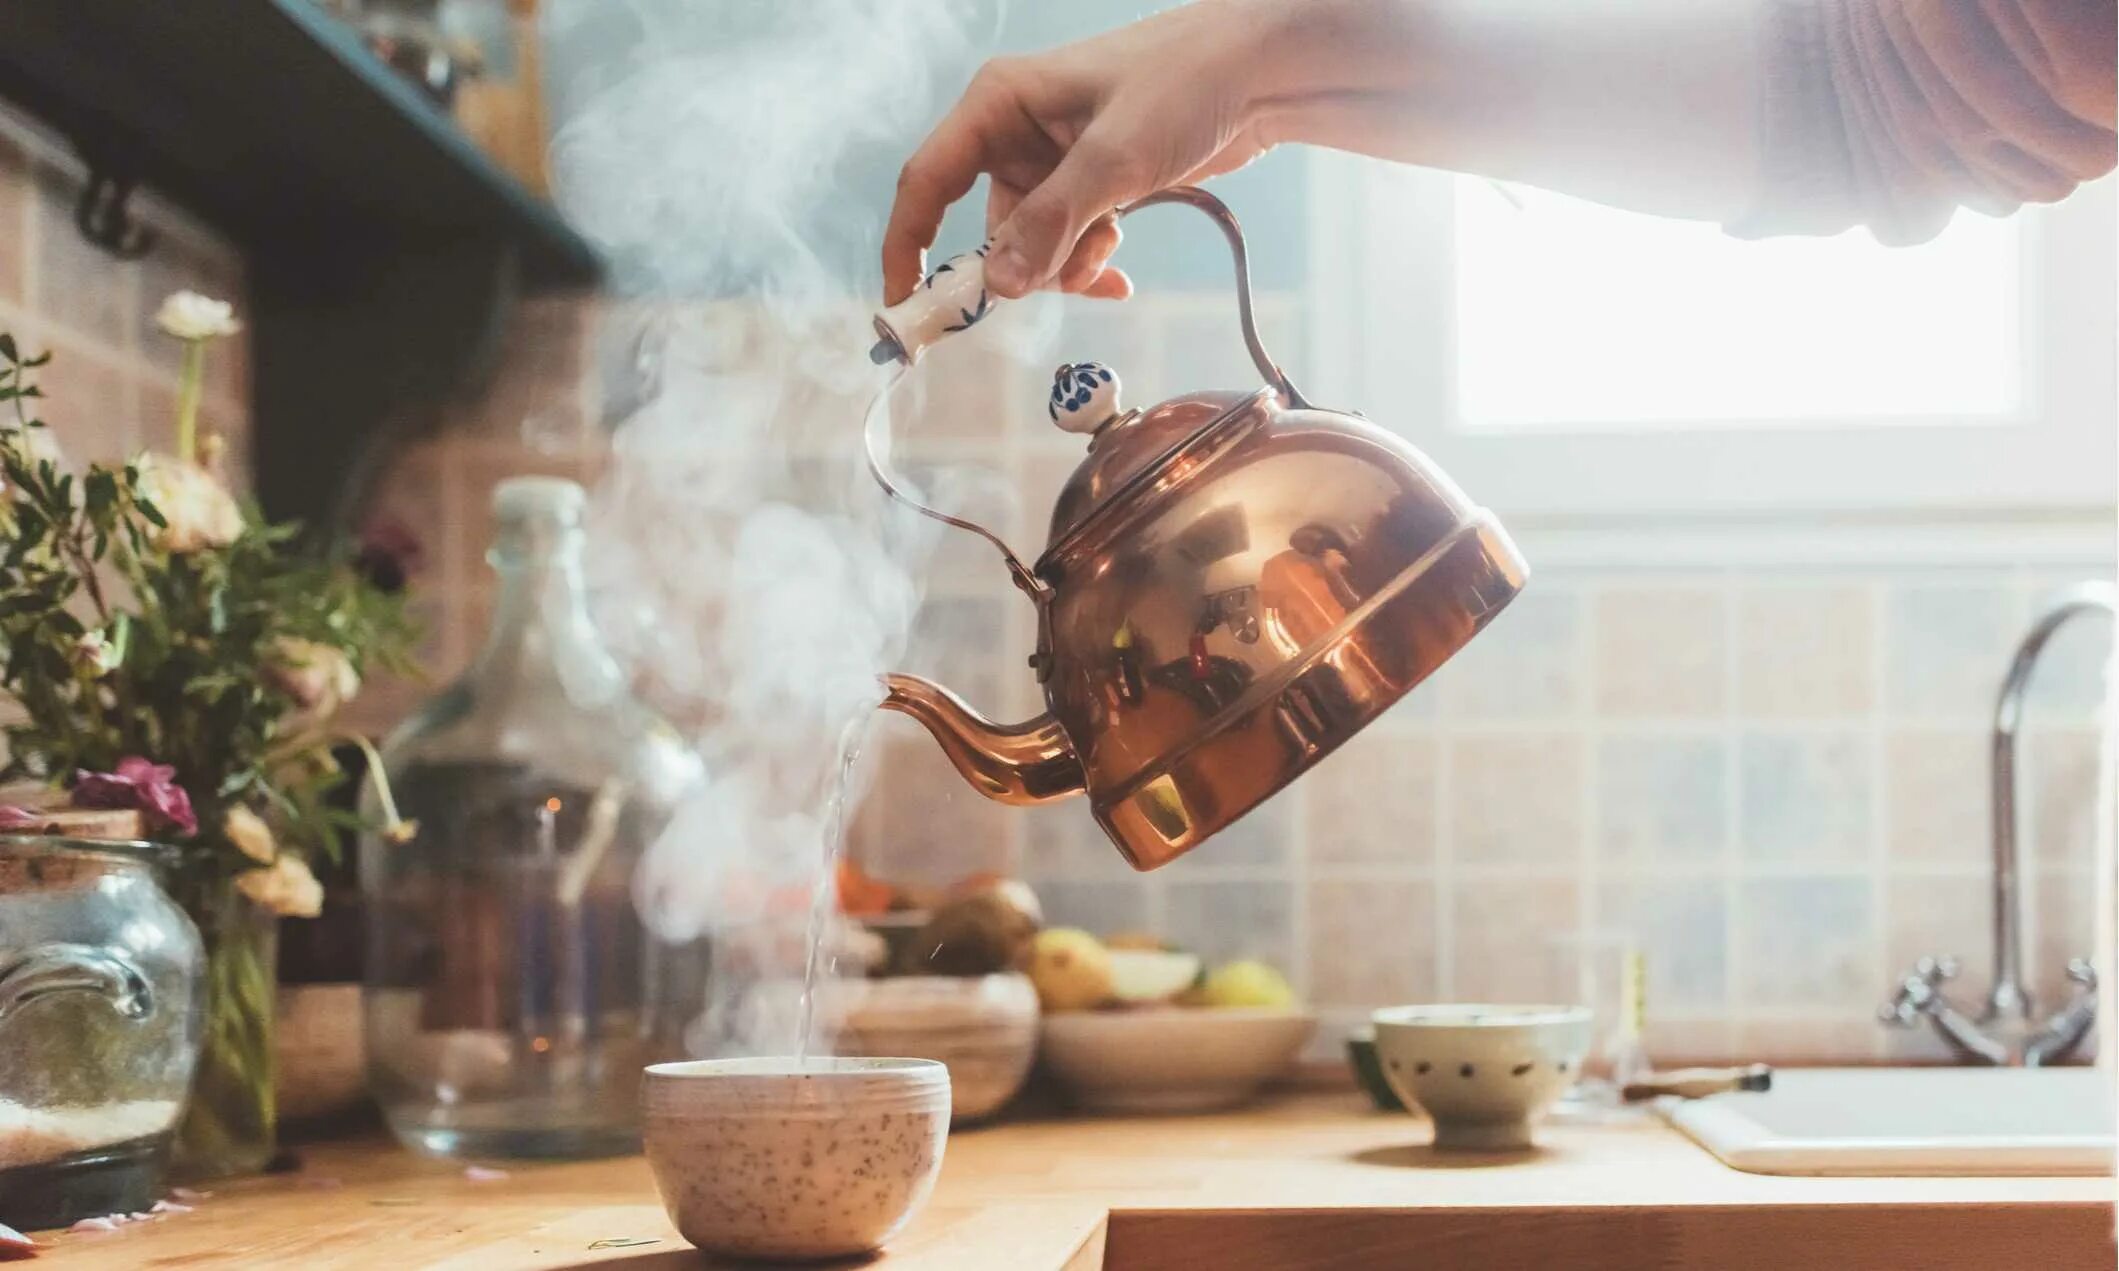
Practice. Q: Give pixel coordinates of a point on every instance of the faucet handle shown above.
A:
(1919, 992)
(2079, 971)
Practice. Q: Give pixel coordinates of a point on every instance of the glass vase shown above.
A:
(513, 992)
(229, 1124)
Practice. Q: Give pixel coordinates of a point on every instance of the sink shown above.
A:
(1935, 1121)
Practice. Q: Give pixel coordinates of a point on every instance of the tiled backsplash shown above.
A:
(111, 385)
(1774, 779)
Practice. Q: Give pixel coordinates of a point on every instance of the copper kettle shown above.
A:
(1235, 583)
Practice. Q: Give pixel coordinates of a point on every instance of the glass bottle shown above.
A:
(512, 994)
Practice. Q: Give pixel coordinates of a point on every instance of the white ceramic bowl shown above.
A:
(1482, 1073)
(984, 1027)
(1170, 1058)
(762, 1158)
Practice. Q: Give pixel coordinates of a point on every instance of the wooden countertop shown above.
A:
(1302, 1183)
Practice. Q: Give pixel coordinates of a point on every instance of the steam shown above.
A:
(744, 563)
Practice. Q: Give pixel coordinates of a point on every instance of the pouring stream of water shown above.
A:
(824, 895)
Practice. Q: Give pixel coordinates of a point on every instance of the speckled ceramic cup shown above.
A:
(762, 1158)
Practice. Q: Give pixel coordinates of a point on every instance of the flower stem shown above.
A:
(391, 820)
(189, 385)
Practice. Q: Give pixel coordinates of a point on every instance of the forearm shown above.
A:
(1646, 104)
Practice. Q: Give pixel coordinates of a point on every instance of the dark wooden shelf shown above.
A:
(384, 249)
(270, 121)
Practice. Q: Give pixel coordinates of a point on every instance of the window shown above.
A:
(1633, 320)
(1567, 360)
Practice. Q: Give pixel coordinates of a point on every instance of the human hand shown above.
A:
(1066, 137)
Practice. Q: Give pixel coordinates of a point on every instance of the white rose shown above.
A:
(285, 887)
(187, 315)
(95, 654)
(251, 836)
(317, 676)
(197, 508)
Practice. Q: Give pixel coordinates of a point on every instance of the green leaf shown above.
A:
(102, 490)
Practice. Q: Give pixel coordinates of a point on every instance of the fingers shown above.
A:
(1111, 284)
(1001, 199)
(1040, 236)
(939, 173)
(1090, 255)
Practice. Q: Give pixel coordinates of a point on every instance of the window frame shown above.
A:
(1390, 350)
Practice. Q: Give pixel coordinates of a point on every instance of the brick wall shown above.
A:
(111, 386)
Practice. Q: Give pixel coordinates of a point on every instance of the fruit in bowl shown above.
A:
(1135, 1025)
(944, 981)
(1144, 977)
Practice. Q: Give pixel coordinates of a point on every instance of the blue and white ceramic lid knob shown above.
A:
(1084, 396)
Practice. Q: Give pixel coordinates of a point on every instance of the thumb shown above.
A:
(1092, 178)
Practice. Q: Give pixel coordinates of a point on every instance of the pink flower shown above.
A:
(13, 817)
(138, 783)
(389, 555)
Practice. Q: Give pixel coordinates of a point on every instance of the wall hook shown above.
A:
(104, 218)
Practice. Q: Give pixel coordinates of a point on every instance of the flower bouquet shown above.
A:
(172, 654)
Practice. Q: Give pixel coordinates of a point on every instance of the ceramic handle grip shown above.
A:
(950, 299)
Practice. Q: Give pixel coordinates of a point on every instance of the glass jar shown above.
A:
(512, 993)
(101, 979)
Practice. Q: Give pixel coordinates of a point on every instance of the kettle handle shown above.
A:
(954, 297)
(1193, 196)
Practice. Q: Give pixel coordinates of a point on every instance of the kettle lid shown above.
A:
(1126, 447)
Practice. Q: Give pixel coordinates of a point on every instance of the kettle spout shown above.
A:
(1031, 762)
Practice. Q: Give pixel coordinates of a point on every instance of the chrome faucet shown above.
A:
(2008, 1029)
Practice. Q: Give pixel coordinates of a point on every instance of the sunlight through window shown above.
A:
(1576, 316)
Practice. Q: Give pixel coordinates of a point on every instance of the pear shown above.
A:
(1071, 969)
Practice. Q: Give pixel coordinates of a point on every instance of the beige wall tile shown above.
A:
(1674, 1043)
(1373, 803)
(2060, 766)
(2063, 925)
(1805, 651)
(1805, 796)
(1372, 942)
(1806, 944)
(1681, 927)
(921, 824)
(1223, 920)
(1509, 939)
(1525, 665)
(1843, 1038)
(1933, 917)
(1515, 798)
(1063, 840)
(1946, 645)
(1662, 798)
(1935, 796)
(1660, 651)
(1101, 908)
